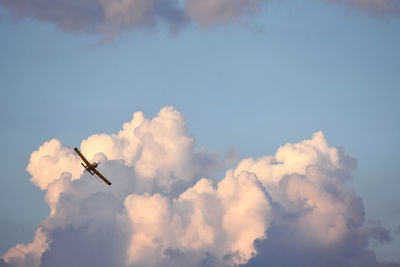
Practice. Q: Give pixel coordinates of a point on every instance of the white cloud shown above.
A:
(28, 255)
(50, 161)
(223, 221)
(167, 208)
(292, 158)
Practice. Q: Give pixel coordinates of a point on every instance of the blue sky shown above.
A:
(290, 70)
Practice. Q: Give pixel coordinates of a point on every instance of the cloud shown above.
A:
(167, 207)
(397, 230)
(213, 12)
(48, 162)
(30, 254)
(374, 7)
(105, 17)
(108, 17)
(200, 219)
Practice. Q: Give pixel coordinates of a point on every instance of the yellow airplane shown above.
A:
(91, 167)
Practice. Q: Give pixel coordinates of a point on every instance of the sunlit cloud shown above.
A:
(168, 206)
(109, 17)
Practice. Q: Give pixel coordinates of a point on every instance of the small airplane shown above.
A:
(91, 167)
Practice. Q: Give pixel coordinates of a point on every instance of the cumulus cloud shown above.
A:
(30, 254)
(167, 207)
(48, 162)
(200, 219)
(108, 17)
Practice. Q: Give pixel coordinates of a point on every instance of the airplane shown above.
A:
(91, 167)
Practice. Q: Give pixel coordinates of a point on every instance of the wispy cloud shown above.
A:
(374, 7)
(166, 207)
(105, 17)
(108, 17)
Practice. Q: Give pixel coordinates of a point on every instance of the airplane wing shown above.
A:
(82, 157)
(101, 176)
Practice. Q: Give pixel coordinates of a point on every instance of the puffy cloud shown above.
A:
(292, 158)
(295, 158)
(166, 207)
(159, 149)
(30, 254)
(318, 220)
(223, 221)
(50, 161)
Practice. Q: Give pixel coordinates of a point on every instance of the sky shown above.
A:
(241, 79)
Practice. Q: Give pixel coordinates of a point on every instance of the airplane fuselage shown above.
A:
(90, 167)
